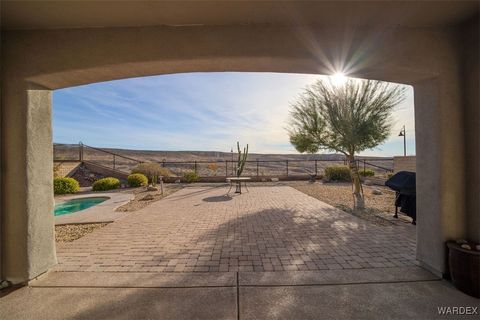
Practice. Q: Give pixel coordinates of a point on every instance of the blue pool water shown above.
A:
(75, 205)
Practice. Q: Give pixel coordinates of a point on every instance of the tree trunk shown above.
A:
(358, 201)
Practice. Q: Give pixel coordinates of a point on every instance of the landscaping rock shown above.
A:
(368, 183)
(377, 192)
(152, 188)
(178, 181)
(275, 180)
(148, 197)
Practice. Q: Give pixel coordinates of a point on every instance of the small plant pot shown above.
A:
(464, 267)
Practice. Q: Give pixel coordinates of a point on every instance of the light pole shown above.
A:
(231, 151)
(404, 135)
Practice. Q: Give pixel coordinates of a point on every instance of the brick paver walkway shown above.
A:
(267, 229)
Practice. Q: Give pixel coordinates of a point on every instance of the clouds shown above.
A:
(194, 111)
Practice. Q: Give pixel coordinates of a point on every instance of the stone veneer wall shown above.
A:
(66, 169)
(408, 163)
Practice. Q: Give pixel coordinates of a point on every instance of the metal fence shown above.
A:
(216, 168)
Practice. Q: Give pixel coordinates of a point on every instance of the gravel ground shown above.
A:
(71, 232)
(379, 208)
(143, 197)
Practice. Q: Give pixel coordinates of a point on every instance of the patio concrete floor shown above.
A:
(378, 293)
(271, 253)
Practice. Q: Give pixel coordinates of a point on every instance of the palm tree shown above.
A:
(346, 118)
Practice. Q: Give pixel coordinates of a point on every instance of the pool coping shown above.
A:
(100, 213)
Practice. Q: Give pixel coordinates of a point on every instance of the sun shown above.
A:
(338, 79)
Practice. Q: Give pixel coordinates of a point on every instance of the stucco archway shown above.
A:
(36, 62)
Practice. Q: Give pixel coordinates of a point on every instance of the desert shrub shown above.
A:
(152, 170)
(137, 180)
(212, 167)
(338, 173)
(190, 176)
(366, 173)
(65, 185)
(106, 184)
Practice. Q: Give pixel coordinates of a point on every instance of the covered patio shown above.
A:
(270, 253)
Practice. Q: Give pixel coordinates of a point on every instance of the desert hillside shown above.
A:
(211, 163)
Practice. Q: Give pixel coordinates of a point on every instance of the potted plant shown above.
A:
(464, 264)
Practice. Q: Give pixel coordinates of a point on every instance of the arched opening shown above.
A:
(226, 243)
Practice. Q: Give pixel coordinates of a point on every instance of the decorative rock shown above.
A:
(148, 197)
(177, 181)
(376, 192)
(466, 246)
(152, 188)
(462, 241)
(275, 179)
(368, 183)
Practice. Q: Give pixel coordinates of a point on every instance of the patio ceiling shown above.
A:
(81, 14)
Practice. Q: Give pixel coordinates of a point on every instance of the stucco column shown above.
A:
(440, 170)
(28, 239)
(471, 102)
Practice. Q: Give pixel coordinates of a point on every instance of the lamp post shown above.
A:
(404, 135)
(233, 169)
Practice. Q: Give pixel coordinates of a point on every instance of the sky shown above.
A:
(197, 111)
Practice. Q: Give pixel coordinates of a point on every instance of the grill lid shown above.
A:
(403, 182)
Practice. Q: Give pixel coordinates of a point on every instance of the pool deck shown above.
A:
(102, 212)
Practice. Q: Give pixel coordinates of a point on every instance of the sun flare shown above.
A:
(338, 79)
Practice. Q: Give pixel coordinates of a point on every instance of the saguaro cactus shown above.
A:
(242, 159)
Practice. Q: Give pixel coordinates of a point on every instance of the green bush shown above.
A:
(190, 176)
(366, 173)
(106, 184)
(338, 173)
(137, 180)
(65, 185)
(389, 175)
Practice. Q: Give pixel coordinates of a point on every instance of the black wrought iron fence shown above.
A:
(216, 168)
(269, 168)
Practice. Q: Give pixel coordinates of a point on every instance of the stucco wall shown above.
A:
(428, 59)
(408, 163)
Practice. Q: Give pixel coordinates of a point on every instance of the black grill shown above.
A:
(403, 182)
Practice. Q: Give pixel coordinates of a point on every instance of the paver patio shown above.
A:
(277, 228)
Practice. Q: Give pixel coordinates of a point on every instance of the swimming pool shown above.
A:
(78, 204)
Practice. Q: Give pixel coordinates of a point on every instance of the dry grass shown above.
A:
(71, 232)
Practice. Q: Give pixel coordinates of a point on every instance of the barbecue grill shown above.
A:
(403, 183)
